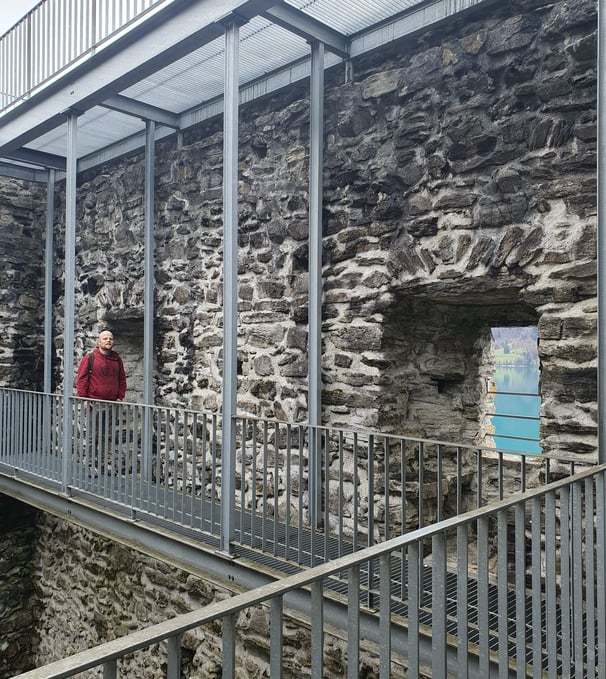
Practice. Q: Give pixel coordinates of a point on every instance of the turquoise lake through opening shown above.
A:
(521, 401)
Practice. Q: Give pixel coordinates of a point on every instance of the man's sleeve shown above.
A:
(82, 378)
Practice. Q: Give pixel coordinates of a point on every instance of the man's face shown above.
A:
(106, 341)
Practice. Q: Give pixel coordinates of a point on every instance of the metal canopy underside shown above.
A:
(170, 70)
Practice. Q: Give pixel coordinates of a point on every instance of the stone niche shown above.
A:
(439, 359)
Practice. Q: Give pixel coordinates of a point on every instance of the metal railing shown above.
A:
(166, 463)
(514, 589)
(57, 34)
(527, 424)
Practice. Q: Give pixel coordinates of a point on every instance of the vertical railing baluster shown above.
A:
(590, 569)
(438, 606)
(173, 647)
(166, 451)
(264, 490)
(110, 669)
(551, 600)
(317, 629)
(537, 627)
(479, 501)
(288, 491)
(502, 594)
(483, 607)
(240, 426)
(340, 492)
(300, 524)
(578, 576)
(520, 588)
(421, 477)
(385, 616)
(565, 575)
(276, 491)
(253, 483)
(370, 489)
(325, 491)
(138, 479)
(600, 575)
(276, 637)
(356, 491)
(184, 467)
(439, 473)
(213, 475)
(353, 622)
(415, 550)
(386, 489)
(403, 495)
(462, 601)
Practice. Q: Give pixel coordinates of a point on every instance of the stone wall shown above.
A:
(459, 194)
(19, 601)
(100, 590)
(21, 283)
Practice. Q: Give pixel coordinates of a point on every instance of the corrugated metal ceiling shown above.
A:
(197, 78)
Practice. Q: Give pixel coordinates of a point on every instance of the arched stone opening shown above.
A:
(128, 335)
(439, 354)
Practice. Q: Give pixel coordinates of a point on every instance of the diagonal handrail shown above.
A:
(586, 487)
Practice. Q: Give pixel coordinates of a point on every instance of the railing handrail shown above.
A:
(474, 448)
(176, 626)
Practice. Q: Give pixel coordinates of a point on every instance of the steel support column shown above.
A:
(148, 295)
(601, 198)
(230, 283)
(70, 279)
(315, 276)
(48, 279)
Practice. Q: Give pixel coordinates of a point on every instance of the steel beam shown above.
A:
(30, 174)
(174, 33)
(308, 28)
(146, 112)
(33, 157)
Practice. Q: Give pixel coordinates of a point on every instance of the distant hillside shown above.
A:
(516, 346)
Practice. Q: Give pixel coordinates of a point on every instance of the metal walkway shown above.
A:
(514, 578)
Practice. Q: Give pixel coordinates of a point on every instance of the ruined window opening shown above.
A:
(515, 389)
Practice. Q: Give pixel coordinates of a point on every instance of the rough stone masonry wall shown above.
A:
(21, 283)
(19, 602)
(92, 590)
(459, 194)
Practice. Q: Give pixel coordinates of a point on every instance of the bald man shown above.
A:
(101, 377)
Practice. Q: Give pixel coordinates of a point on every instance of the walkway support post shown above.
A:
(316, 143)
(148, 297)
(601, 199)
(49, 247)
(230, 284)
(70, 278)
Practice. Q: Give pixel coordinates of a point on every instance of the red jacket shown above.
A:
(107, 380)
